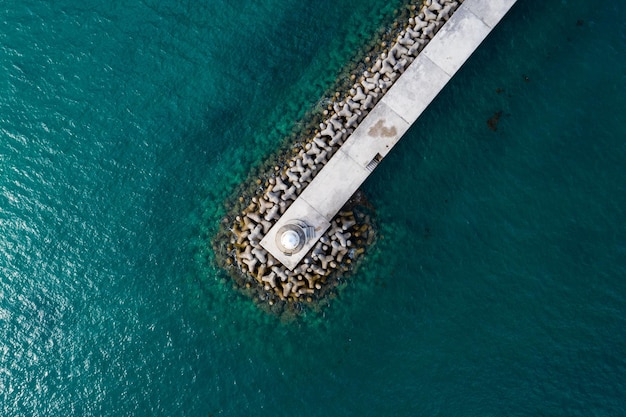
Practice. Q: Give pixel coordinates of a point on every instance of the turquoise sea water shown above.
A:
(498, 286)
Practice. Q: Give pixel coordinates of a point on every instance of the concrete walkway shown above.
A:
(387, 122)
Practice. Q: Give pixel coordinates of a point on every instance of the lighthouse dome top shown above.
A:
(289, 239)
(293, 236)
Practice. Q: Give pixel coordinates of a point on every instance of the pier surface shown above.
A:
(384, 125)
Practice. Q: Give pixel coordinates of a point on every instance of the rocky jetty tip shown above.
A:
(253, 268)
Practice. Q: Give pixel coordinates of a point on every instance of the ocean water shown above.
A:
(498, 286)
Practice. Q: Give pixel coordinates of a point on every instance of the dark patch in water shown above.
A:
(493, 120)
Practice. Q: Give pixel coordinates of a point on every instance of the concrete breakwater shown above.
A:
(350, 232)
